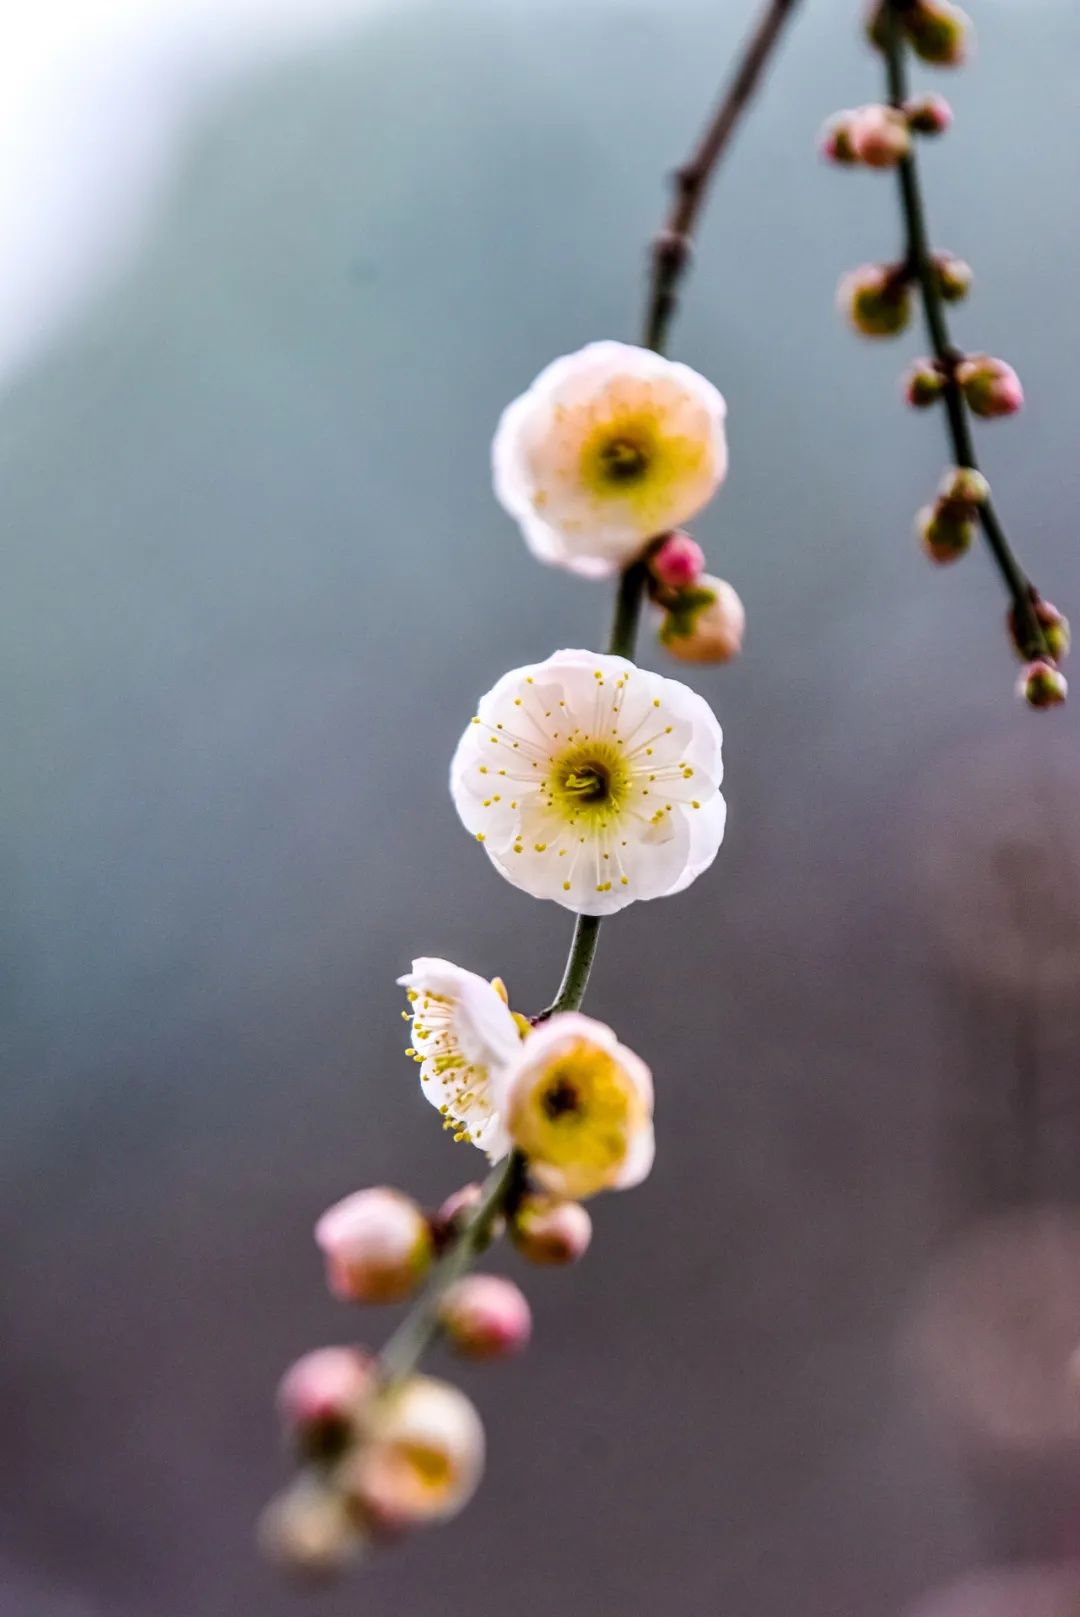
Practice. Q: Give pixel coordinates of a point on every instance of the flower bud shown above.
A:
(1042, 685)
(548, 1231)
(945, 534)
(321, 1395)
(938, 32)
(879, 136)
(1054, 625)
(704, 624)
(954, 277)
(677, 561)
(990, 386)
(923, 384)
(835, 142)
(485, 1317)
(876, 299)
(928, 114)
(457, 1211)
(377, 1245)
(963, 489)
(309, 1530)
(421, 1459)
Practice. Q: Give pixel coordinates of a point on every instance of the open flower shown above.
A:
(579, 1104)
(462, 1029)
(609, 448)
(592, 782)
(421, 1457)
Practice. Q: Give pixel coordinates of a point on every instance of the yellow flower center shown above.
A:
(588, 781)
(431, 1468)
(579, 1115)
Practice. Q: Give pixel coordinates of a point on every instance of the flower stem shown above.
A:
(920, 263)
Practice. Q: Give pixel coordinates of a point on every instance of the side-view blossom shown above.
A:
(579, 1105)
(462, 1028)
(592, 782)
(377, 1244)
(421, 1457)
(609, 447)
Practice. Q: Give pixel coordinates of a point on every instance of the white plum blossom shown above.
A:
(462, 1030)
(579, 1105)
(609, 448)
(592, 782)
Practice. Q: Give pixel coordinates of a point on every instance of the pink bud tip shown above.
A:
(1042, 686)
(928, 114)
(678, 561)
(879, 136)
(990, 386)
(486, 1317)
(320, 1395)
(377, 1244)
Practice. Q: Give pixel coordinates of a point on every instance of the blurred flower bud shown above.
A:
(923, 384)
(548, 1231)
(945, 535)
(835, 142)
(1054, 625)
(705, 623)
(879, 136)
(456, 1212)
(309, 1530)
(876, 299)
(320, 1396)
(954, 277)
(377, 1245)
(939, 32)
(928, 114)
(877, 24)
(990, 386)
(421, 1459)
(963, 489)
(1042, 685)
(485, 1317)
(678, 561)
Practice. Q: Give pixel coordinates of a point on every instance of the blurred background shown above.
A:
(271, 272)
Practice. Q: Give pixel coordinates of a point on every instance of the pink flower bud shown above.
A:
(678, 561)
(485, 1317)
(835, 143)
(990, 386)
(945, 535)
(954, 277)
(1041, 685)
(377, 1244)
(310, 1531)
(879, 136)
(705, 623)
(1054, 625)
(549, 1231)
(928, 114)
(963, 490)
(876, 299)
(938, 32)
(421, 1457)
(923, 384)
(321, 1395)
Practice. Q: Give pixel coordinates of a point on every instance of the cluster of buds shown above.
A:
(876, 299)
(1041, 684)
(703, 618)
(379, 1456)
(946, 529)
(879, 136)
(937, 31)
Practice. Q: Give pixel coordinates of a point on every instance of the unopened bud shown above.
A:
(990, 386)
(456, 1213)
(879, 136)
(485, 1317)
(321, 1395)
(923, 384)
(944, 534)
(875, 299)
(1054, 626)
(377, 1244)
(705, 623)
(421, 1458)
(954, 277)
(939, 32)
(835, 143)
(1042, 685)
(548, 1231)
(928, 114)
(677, 561)
(310, 1530)
(963, 490)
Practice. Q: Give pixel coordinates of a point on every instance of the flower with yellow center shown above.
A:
(592, 782)
(420, 1457)
(607, 449)
(462, 1029)
(579, 1104)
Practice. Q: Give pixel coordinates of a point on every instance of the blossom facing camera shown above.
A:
(608, 448)
(377, 1244)
(421, 1459)
(321, 1396)
(1042, 686)
(462, 1029)
(875, 299)
(579, 1104)
(1054, 625)
(485, 1317)
(309, 1530)
(990, 386)
(705, 624)
(879, 136)
(678, 561)
(547, 1230)
(592, 782)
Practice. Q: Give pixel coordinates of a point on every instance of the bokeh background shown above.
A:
(253, 347)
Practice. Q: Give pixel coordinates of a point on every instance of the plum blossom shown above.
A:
(421, 1457)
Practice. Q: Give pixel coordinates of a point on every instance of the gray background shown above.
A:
(257, 581)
